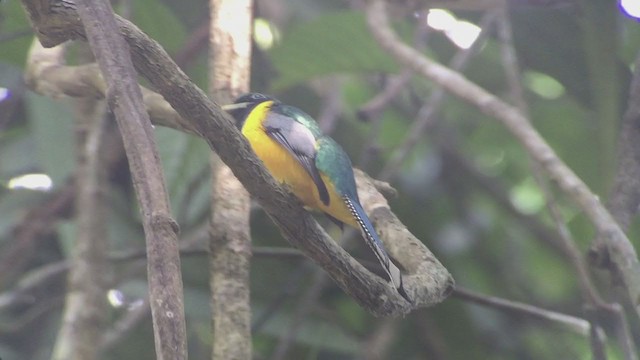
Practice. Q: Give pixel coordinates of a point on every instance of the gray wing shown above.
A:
(300, 142)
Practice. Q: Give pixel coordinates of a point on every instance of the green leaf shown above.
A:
(52, 126)
(309, 50)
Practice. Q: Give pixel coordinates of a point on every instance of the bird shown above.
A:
(314, 167)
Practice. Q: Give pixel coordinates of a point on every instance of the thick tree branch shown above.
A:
(125, 99)
(229, 265)
(623, 256)
(299, 228)
(416, 258)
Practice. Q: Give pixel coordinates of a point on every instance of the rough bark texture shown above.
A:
(125, 99)
(230, 240)
(230, 247)
(57, 21)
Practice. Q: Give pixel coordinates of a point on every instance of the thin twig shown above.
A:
(623, 256)
(510, 64)
(372, 111)
(46, 274)
(426, 114)
(575, 324)
(591, 295)
(394, 84)
(497, 191)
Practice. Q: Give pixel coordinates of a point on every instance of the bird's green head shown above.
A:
(244, 104)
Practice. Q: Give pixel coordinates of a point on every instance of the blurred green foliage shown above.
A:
(326, 49)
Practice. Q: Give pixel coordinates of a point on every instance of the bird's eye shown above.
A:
(258, 97)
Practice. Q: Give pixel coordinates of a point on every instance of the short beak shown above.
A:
(231, 107)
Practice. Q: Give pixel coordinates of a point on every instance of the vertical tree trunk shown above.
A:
(85, 304)
(230, 241)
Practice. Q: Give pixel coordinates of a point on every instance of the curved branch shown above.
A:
(416, 258)
(623, 256)
(46, 74)
(58, 22)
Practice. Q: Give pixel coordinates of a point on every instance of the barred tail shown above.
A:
(372, 239)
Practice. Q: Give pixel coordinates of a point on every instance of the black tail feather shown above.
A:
(372, 239)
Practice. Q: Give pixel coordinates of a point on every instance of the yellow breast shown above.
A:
(286, 169)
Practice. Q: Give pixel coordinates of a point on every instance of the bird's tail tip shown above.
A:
(403, 292)
(371, 237)
(397, 282)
